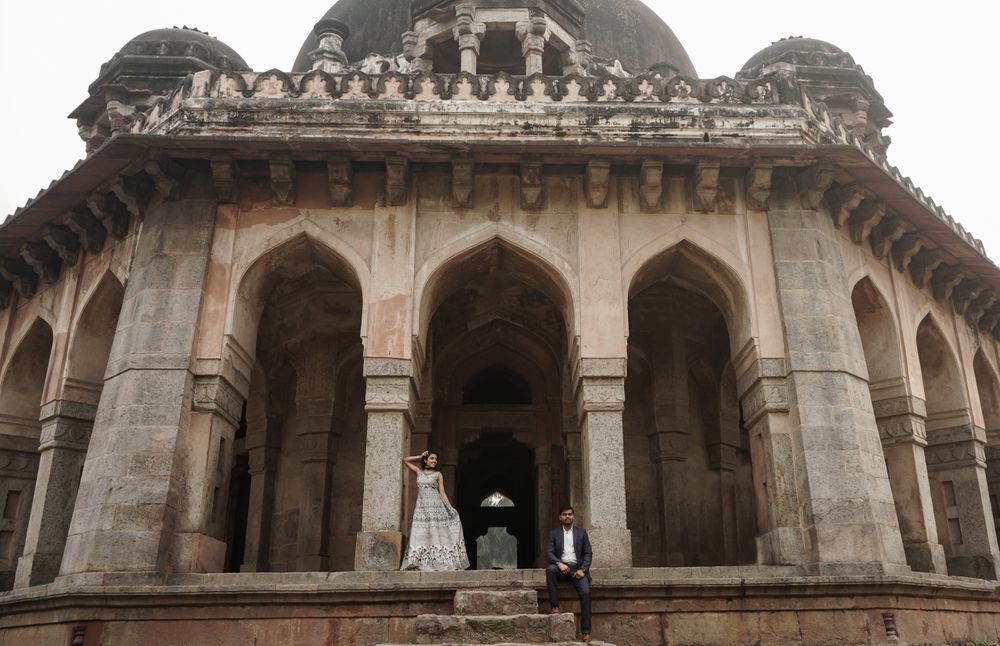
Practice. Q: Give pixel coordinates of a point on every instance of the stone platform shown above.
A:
(632, 606)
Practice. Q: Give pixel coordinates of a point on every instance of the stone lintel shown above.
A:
(214, 394)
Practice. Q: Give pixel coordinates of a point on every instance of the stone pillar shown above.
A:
(764, 398)
(574, 459)
(668, 450)
(66, 428)
(901, 427)
(543, 500)
(600, 401)
(956, 463)
(468, 33)
(132, 486)
(388, 400)
(532, 33)
(848, 511)
(315, 383)
(263, 469)
(330, 56)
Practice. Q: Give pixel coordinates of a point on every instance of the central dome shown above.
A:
(626, 30)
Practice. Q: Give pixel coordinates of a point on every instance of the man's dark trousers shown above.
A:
(582, 585)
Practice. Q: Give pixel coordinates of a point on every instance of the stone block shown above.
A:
(495, 629)
(496, 602)
(378, 551)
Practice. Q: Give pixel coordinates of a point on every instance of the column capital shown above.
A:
(214, 394)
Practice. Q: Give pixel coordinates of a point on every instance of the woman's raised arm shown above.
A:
(410, 461)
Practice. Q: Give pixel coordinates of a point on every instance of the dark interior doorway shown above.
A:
(497, 463)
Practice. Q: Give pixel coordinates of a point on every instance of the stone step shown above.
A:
(496, 602)
(495, 629)
(576, 643)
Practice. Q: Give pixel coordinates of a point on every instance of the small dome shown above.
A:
(799, 51)
(182, 42)
(626, 30)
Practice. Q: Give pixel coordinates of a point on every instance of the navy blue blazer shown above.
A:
(581, 545)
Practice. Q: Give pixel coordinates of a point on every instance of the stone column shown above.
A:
(263, 468)
(956, 463)
(668, 451)
(132, 486)
(315, 383)
(468, 33)
(764, 398)
(600, 401)
(388, 400)
(901, 427)
(543, 500)
(66, 428)
(848, 511)
(532, 33)
(574, 461)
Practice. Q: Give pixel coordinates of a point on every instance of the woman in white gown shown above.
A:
(436, 541)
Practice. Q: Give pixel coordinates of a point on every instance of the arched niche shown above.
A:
(879, 338)
(91, 341)
(944, 389)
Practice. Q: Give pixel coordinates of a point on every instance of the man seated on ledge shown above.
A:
(569, 554)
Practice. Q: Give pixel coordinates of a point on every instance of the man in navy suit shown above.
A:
(569, 554)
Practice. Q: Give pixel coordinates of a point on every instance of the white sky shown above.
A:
(933, 64)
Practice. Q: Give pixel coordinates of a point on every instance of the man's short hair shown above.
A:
(565, 507)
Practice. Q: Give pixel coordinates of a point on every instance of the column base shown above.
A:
(378, 551)
(36, 569)
(781, 546)
(926, 557)
(977, 566)
(612, 547)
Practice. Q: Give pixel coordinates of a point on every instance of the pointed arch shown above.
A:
(944, 392)
(22, 384)
(540, 266)
(880, 338)
(988, 386)
(713, 274)
(91, 339)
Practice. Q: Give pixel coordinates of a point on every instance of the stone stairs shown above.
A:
(497, 618)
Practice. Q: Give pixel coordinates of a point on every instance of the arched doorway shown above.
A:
(496, 463)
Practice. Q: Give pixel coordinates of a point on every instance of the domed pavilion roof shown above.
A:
(799, 51)
(626, 30)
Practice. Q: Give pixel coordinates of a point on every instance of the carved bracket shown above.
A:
(462, 179)
(706, 186)
(166, 174)
(112, 212)
(397, 175)
(20, 275)
(65, 243)
(758, 185)
(340, 176)
(945, 279)
(843, 200)
(964, 293)
(531, 185)
(89, 229)
(42, 259)
(651, 185)
(225, 175)
(865, 218)
(213, 394)
(134, 192)
(813, 183)
(904, 249)
(923, 265)
(596, 181)
(883, 236)
(282, 179)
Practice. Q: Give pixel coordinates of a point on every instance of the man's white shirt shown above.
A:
(568, 554)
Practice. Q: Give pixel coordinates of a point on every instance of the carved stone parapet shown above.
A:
(706, 186)
(340, 176)
(42, 259)
(843, 200)
(112, 212)
(945, 279)
(397, 174)
(924, 264)
(20, 275)
(282, 175)
(225, 175)
(813, 182)
(530, 185)
(904, 249)
(85, 224)
(765, 395)
(865, 218)
(883, 236)
(17, 464)
(758, 185)
(214, 394)
(64, 241)
(651, 185)
(462, 181)
(596, 181)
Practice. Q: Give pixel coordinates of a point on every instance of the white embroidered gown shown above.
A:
(436, 540)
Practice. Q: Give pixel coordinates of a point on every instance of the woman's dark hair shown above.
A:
(423, 460)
